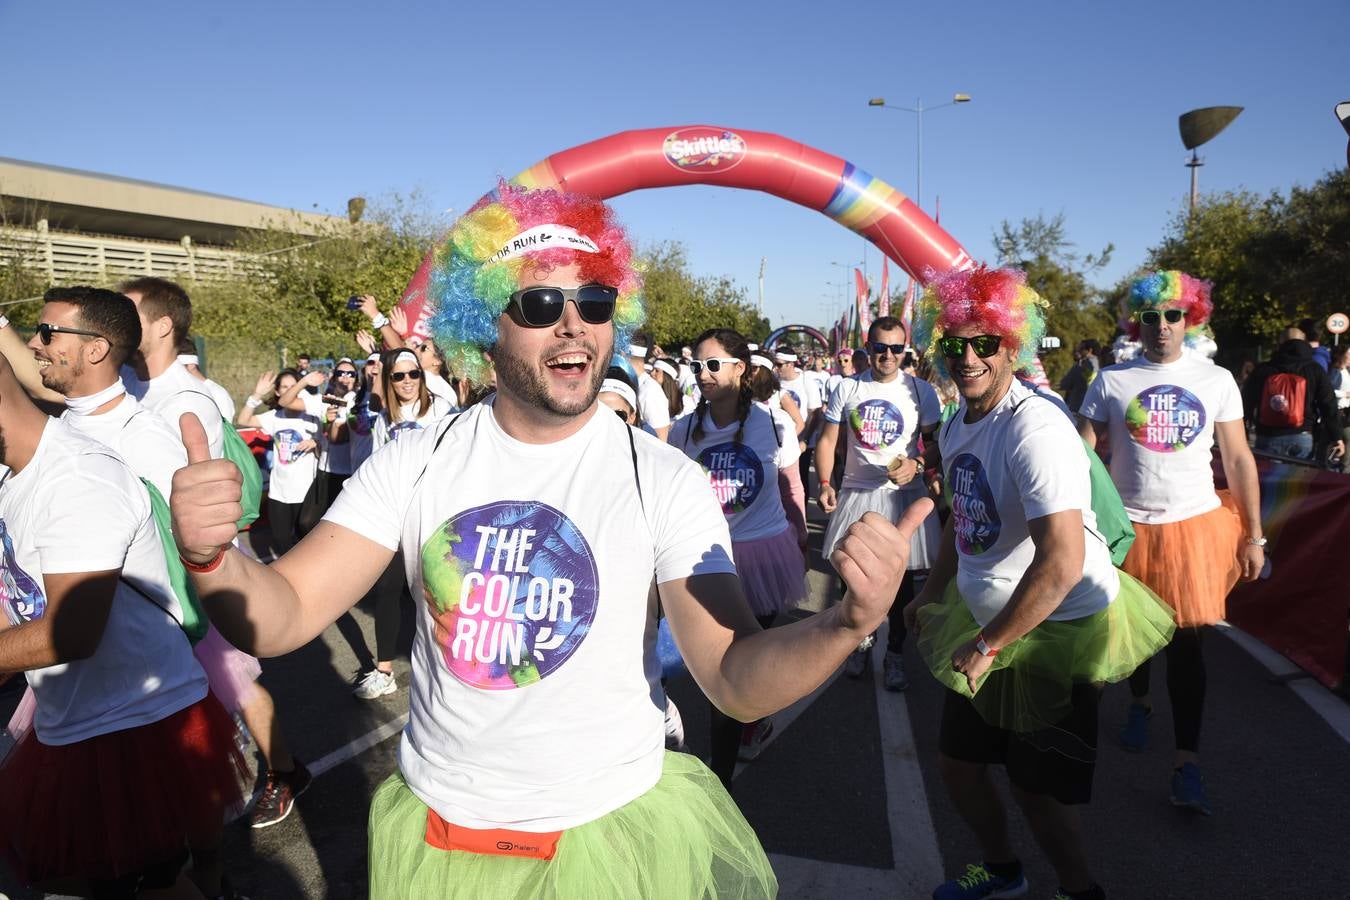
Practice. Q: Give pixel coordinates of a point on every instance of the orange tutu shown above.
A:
(1191, 564)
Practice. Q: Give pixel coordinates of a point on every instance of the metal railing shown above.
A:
(66, 257)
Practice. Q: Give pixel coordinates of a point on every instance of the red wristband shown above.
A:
(205, 567)
(983, 647)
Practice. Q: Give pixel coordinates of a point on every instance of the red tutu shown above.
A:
(117, 803)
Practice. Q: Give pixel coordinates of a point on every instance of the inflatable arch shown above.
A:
(750, 160)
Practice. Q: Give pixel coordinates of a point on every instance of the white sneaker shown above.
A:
(894, 672)
(375, 684)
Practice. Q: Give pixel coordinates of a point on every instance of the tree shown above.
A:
(1055, 270)
(681, 305)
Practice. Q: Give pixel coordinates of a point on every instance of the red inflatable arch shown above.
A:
(751, 160)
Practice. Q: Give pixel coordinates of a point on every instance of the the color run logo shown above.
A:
(702, 148)
(512, 587)
(20, 597)
(974, 515)
(1165, 418)
(876, 424)
(287, 440)
(735, 473)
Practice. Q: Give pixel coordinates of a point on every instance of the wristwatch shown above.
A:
(982, 647)
(1257, 542)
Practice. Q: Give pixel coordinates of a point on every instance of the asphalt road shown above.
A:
(847, 800)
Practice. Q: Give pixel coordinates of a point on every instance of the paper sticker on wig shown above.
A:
(469, 292)
(997, 301)
(1168, 290)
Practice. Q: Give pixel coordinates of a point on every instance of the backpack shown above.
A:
(1283, 401)
(194, 621)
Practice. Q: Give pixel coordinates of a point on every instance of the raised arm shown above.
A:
(25, 366)
(290, 398)
(247, 416)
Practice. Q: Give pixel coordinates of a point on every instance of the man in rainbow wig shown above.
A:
(531, 526)
(1163, 412)
(1023, 616)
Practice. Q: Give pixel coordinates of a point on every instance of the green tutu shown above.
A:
(684, 838)
(1029, 685)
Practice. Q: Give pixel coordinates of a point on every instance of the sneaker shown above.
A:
(753, 738)
(895, 678)
(1134, 733)
(375, 684)
(1188, 789)
(674, 727)
(278, 795)
(979, 882)
(859, 662)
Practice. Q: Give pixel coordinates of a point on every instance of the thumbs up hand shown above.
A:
(205, 502)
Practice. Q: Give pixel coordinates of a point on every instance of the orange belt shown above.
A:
(444, 835)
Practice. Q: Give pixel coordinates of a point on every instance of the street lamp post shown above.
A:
(919, 109)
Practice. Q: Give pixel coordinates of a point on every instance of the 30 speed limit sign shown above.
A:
(1338, 323)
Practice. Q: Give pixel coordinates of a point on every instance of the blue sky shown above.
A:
(1075, 107)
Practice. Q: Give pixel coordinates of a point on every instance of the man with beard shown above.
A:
(532, 526)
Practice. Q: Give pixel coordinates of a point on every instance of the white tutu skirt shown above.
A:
(854, 503)
(230, 672)
(772, 572)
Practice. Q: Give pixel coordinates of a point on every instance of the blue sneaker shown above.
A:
(1134, 733)
(979, 882)
(1188, 789)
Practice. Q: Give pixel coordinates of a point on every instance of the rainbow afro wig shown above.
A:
(997, 301)
(481, 263)
(1167, 290)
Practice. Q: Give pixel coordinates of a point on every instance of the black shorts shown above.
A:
(1058, 761)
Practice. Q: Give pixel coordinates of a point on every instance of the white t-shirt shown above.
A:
(223, 399)
(1161, 422)
(77, 507)
(293, 471)
(653, 408)
(804, 391)
(152, 447)
(386, 431)
(1003, 470)
(689, 392)
(743, 476)
(575, 730)
(174, 392)
(884, 420)
(439, 387)
(334, 458)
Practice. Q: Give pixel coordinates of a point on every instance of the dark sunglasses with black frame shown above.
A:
(414, 374)
(1153, 317)
(985, 345)
(540, 307)
(46, 330)
(880, 349)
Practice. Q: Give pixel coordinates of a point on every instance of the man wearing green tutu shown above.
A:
(1024, 616)
(532, 525)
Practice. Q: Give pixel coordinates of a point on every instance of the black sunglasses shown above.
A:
(881, 349)
(414, 374)
(45, 332)
(543, 306)
(986, 345)
(1152, 317)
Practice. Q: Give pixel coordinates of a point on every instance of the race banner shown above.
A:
(884, 299)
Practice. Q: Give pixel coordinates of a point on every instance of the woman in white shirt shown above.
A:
(295, 454)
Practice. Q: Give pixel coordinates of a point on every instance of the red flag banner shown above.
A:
(884, 299)
(907, 313)
(864, 305)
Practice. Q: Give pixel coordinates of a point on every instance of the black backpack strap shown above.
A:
(439, 439)
(637, 479)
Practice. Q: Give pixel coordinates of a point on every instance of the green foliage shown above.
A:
(681, 305)
(1056, 271)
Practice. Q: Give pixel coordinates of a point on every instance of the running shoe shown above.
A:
(278, 795)
(859, 662)
(1188, 789)
(894, 672)
(753, 738)
(979, 882)
(1134, 733)
(375, 684)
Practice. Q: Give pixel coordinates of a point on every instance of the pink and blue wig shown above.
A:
(1167, 290)
(996, 301)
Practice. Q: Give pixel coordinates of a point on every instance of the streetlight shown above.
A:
(919, 109)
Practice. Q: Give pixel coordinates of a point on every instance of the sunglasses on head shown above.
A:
(1152, 317)
(880, 349)
(713, 365)
(414, 374)
(540, 307)
(985, 345)
(45, 332)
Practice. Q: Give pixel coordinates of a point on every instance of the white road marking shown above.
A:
(1323, 702)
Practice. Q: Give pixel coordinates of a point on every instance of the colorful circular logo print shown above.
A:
(974, 514)
(286, 441)
(735, 473)
(876, 424)
(703, 149)
(20, 597)
(512, 587)
(402, 428)
(1165, 418)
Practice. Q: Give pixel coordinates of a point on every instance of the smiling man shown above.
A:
(532, 526)
(1023, 616)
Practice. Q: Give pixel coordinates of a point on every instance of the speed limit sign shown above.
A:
(1338, 323)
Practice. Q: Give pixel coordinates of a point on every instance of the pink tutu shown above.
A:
(230, 672)
(22, 721)
(772, 571)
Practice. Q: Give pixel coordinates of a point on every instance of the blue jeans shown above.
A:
(1298, 446)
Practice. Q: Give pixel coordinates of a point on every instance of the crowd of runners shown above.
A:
(563, 560)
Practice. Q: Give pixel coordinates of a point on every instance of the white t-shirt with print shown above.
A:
(77, 507)
(1022, 461)
(1161, 422)
(804, 391)
(152, 447)
(174, 392)
(536, 702)
(652, 404)
(333, 458)
(293, 471)
(884, 420)
(744, 475)
(385, 431)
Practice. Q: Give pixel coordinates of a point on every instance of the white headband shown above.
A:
(402, 352)
(764, 361)
(544, 237)
(637, 350)
(615, 386)
(189, 359)
(786, 357)
(666, 367)
(374, 357)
